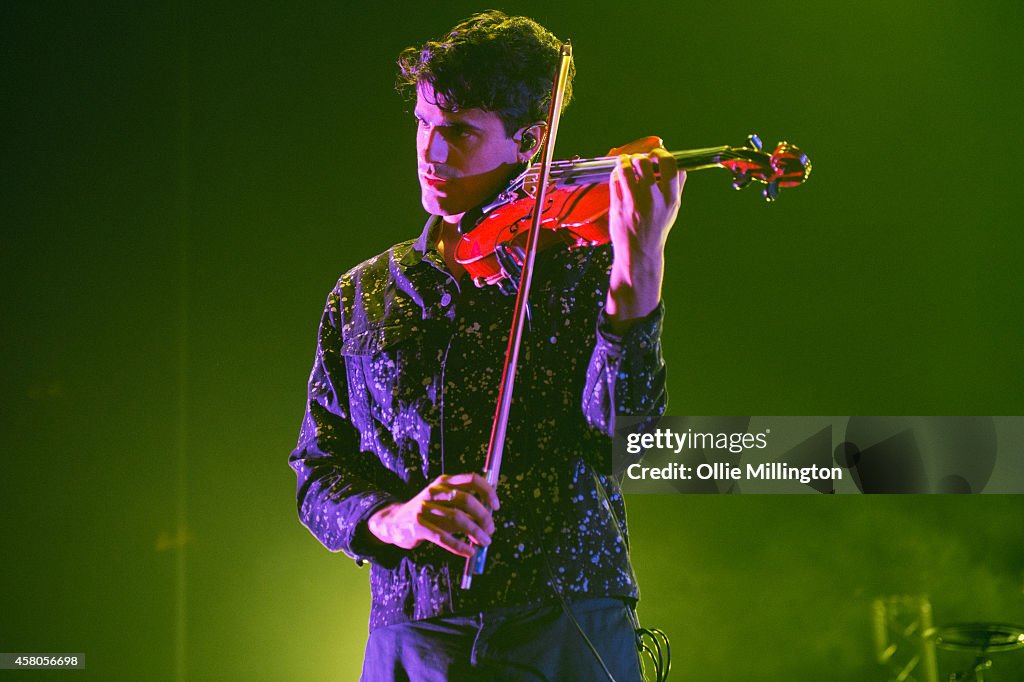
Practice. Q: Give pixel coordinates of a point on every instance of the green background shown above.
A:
(183, 182)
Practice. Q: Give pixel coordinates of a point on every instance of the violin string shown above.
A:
(597, 168)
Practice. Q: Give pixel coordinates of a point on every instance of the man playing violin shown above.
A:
(405, 378)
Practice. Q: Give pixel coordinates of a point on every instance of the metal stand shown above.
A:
(903, 641)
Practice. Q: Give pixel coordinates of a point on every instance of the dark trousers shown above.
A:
(531, 643)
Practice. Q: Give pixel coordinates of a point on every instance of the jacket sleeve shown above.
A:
(339, 485)
(626, 375)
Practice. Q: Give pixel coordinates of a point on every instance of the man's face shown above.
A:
(463, 158)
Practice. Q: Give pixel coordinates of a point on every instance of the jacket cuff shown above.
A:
(361, 544)
(643, 333)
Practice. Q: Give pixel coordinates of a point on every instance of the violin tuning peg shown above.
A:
(754, 141)
(771, 192)
(740, 180)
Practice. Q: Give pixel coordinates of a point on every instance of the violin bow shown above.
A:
(496, 445)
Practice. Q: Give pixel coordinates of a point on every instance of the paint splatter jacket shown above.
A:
(404, 388)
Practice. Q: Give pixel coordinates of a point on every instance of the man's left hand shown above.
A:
(646, 190)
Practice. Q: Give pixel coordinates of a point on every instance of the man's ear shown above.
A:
(530, 139)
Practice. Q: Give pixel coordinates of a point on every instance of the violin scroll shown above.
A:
(785, 167)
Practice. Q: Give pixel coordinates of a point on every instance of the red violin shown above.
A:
(576, 202)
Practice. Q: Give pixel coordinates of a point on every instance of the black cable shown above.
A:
(645, 649)
(660, 654)
(556, 585)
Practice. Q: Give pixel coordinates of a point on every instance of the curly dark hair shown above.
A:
(490, 61)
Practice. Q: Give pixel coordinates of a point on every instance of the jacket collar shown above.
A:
(425, 247)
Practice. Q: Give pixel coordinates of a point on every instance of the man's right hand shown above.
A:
(448, 510)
